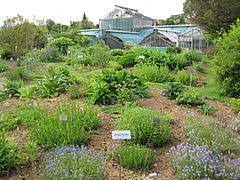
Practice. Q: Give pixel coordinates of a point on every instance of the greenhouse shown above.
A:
(124, 27)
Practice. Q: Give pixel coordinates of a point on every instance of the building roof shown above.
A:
(125, 12)
(171, 32)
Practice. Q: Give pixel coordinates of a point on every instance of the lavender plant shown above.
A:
(73, 162)
(212, 135)
(193, 161)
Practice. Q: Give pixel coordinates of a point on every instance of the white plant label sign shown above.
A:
(121, 135)
(63, 117)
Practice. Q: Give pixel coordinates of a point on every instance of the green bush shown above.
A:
(226, 60)
(77, 91)
(54, 82)
(134, 157)
(207, 109)
(186, 78)
(12, 88)
(152, 73)
(22, 115)
(190, 99)
(50, 54)
(174, 50)
(193, 56)
(112, 86)
(235, 103)
(128, 59)
(173, 90)
(69, 125)
(199, 67)
(147, 127)
(17, 74)
(210, 134)
(3, 67)
(117, 52)
(29, 92)
(62, 43)
(97, 55)
(72, 162)
(9, 157)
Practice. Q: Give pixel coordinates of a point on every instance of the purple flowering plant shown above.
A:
(194, 161)
(73, 162)
(210, 152)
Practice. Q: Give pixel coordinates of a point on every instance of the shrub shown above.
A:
(208, 133)
(12, 88)
(147, 127)
(28, 92)
(235, 103)
(55, 81)
(193, 161)
(207, 109)
(77, 91)
(134, 157)
(117, 52)
(190, 99)
(226, 60)
(128, 59)
(17, 74)
(3, 67)
(50, 54)
(9, 157)
(174, 50)
(72, 162)
(152, 73)
(173, 90)
(199, 67)
(22, 115)
(193, 56)
(97, 55)
(186, 78)
(70, 125)
(112, 86)
(62, 43)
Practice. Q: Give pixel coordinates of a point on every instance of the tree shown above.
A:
(174, 20)
(213, 15)
(18, 36)
(62, 44)
(227, 61)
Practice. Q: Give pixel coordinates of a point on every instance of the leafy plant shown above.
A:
(190, 99)
(193, 56)
(62, 43)
(77, 91)
(12, 88)
(70, 125)
(134, 157)
(186, 78)
(113, 85)
(28, 92)
(226, 61)
(128, 59)
(18, 74)
(173, 90)
(152, 73)
(211, 135)
(31, 151)
(72, 162)
(55, 81)
(207, 109)
(147, 127)
(174, 50)
(9, 157)
(22, 115)
(3, 67)
(50, 54)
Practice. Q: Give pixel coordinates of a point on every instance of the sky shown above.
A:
(65, 10)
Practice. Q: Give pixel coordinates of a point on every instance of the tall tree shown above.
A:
(213, 15)
(18, 36)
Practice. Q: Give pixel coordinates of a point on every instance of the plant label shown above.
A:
(63, 117)
(156, 122)
(121, 135)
